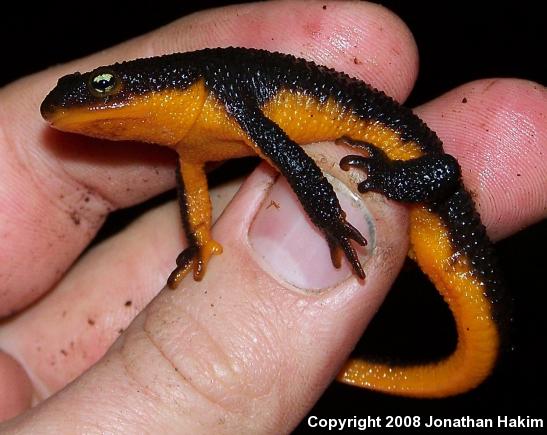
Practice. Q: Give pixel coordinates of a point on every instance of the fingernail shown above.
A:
(291, 248)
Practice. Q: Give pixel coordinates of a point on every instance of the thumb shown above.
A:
(252, 346)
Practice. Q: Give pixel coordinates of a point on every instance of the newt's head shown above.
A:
(150, 100)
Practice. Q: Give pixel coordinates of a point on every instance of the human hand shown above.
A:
(247, 365)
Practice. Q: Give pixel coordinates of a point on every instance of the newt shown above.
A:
(216, 104)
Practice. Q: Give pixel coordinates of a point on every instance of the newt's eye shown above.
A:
(103, 83)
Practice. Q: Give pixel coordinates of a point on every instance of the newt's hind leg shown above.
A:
(195, 210)
(423, 179)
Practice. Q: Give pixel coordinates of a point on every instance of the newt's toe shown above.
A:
(196, 258)
(339, 239)
(184, 265)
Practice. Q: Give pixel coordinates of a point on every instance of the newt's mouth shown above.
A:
(94, 123)
(73, 119)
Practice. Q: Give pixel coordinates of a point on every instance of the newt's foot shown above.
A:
(422, 179)
(375, 169)
(339, 238)
(376, 165)
(196, 256)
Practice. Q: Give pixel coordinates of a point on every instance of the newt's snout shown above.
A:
(69, 92)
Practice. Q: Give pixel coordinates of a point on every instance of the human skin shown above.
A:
(221, 353)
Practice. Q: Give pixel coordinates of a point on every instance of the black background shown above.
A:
(458, 42)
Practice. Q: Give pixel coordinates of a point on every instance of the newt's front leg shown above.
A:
(195, 210)
(305, 178)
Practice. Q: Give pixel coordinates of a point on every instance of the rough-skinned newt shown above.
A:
(218, 104)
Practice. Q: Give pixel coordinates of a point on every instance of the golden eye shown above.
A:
(103, 83)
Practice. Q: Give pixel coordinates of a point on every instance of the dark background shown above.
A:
(458, 42)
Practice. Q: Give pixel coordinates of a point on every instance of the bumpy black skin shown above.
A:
(250, 76)
(245, 79)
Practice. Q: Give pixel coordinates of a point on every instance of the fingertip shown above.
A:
(363, 39)
(496, 129)
(393, 60)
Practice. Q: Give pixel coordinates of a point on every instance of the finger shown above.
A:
(15, 386)
(71, 327)
(496, 129)
(255, 343)
(62, 186)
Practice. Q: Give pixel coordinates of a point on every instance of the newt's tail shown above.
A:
(450, 245)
